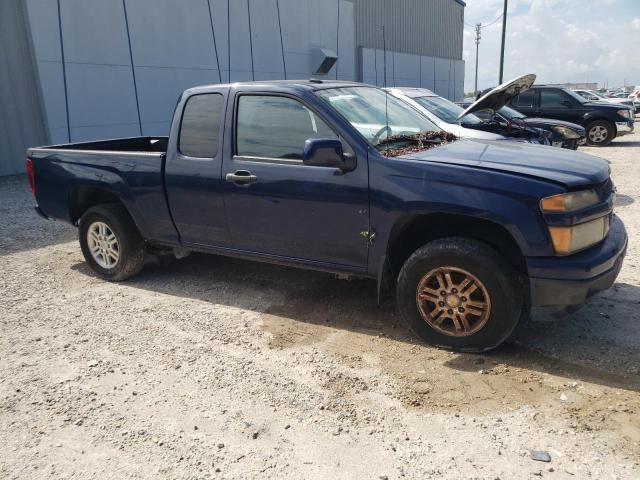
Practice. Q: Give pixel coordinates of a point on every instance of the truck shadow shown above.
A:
(304, 307)
(625, 143)
(22, 229)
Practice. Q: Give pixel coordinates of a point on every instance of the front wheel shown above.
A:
(600, 133)
(460, 294)
(110, 242)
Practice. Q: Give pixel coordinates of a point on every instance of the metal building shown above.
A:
(76, 70)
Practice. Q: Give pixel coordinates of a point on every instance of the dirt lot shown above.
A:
(217, 368)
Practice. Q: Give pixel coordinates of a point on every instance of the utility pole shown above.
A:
(478, 36)
(504, 31)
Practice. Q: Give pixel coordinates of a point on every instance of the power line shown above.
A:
(495, 21)
(484, 26)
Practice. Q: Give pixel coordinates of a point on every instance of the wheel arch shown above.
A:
(410, 232)
(82, 197)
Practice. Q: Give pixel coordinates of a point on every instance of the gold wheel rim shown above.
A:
(453, 301)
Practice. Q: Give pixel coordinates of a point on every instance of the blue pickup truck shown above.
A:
(344, 178)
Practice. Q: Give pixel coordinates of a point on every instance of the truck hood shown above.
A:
(498, 97)
(605, 104)
(568, 167)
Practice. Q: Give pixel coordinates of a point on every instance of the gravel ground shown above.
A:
(211, 367)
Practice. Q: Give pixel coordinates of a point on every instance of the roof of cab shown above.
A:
(281, 85)
(412, 92)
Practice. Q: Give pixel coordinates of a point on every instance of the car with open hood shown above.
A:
(482, 119)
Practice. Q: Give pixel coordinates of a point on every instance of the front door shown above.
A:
(278, 206)
(554, 103)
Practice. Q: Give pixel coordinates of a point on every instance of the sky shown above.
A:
(558, 40)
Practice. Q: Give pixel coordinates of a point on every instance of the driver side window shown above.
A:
(271, 126)
(553, 99)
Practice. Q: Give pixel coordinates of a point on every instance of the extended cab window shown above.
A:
(200, 128)
(276, 127)
(525, 99)
(553, 99)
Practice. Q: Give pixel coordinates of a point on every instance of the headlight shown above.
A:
(624, 113)
(566, 132)
(568, 240)
(569, 202)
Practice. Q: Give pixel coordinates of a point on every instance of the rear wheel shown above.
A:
(600, 133)
(110, 242)
(460, 294)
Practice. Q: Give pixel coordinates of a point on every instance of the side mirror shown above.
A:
(567, 103)
(326, 152)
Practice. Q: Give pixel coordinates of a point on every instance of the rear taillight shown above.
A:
(30, 176)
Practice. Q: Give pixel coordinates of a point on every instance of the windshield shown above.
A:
(509, 113)
(446, 111)
(597, 94)
(376, 114)
(573, 94)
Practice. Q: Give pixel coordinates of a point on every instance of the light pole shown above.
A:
(478, 36)
(504, 31)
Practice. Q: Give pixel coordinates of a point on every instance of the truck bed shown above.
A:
(120, 145)
(128, 169)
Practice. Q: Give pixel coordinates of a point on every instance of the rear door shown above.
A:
(193, 171)
(555, 103)
(285, 208)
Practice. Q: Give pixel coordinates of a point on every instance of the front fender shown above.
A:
(508, 200)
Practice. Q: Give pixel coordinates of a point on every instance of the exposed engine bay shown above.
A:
(512, 128)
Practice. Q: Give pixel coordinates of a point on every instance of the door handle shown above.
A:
(241, 178)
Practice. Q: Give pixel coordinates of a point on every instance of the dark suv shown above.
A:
(603, 121)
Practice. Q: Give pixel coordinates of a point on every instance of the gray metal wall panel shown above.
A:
(221, 31)
(428, 72)
(408, 70)
(166, 33)
(45, 35)
(101, 95)
(422, 27)
(52, 87)
(21, 116)
(241, 69)
(94, 32)
(159, 89)
(265, 36)
(346, 65)
(295, 37)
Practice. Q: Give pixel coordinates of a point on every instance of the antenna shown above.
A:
(384, 58)
(386, 94)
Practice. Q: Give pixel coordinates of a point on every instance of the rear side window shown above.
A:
(525, 99)
(200, 128)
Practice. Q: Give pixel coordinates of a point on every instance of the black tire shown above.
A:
(130, 245)
(598, 125)
(497, 277)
